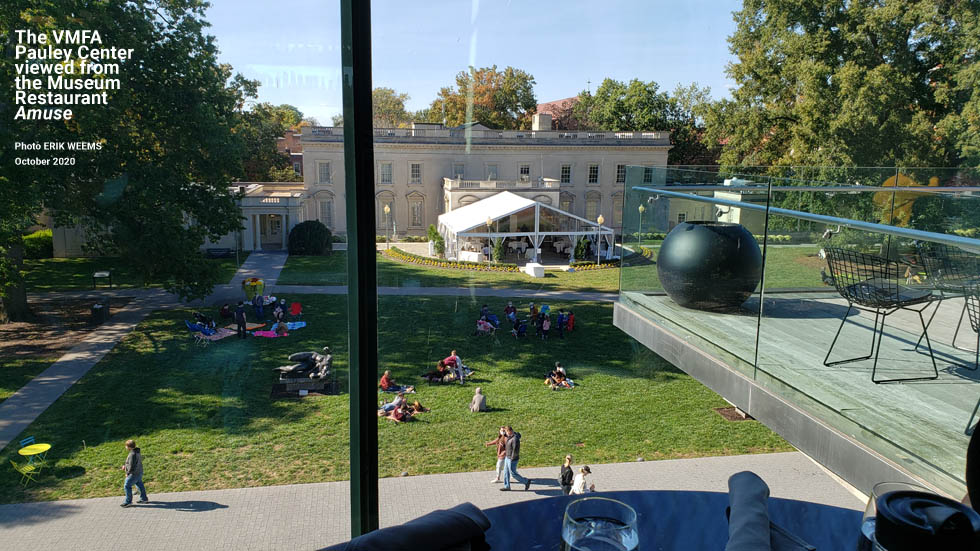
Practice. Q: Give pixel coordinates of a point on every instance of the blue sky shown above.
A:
(293, 48)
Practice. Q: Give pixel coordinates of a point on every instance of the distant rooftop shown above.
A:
(440, 134)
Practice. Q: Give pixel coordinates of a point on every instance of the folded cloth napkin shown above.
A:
(459, 528)
(749, 528)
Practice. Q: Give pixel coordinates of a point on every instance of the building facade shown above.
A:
(428, 169)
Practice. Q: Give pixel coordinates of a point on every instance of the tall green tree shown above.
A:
(499, 99)
(259, 129)
(865, 83)
(159, 185)
(388, 107)
(637, 105)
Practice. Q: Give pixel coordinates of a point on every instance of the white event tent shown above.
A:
(514, 217)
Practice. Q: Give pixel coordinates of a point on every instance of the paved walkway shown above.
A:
(265, 265)
(311, 516)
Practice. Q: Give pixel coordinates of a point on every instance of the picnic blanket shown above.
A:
(290, 325)
(268, 334)
(248, 326)
(220, 334)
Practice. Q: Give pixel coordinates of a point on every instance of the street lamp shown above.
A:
(598, 236)
(489, 239)
(641, 208)
(387, 217)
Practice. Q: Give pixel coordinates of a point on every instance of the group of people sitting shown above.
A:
(448, 370)
(558, 378)
(399, 410)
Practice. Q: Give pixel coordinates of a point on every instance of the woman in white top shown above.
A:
(578, 484)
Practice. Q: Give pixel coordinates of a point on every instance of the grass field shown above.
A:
(73, 274)
(786, 266)
(17, 372)
(205, 420)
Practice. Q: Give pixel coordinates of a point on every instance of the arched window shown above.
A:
(593, 205)
(382, 199)
(416, 210)
(566, 202)
(543, 199)
(467, 200)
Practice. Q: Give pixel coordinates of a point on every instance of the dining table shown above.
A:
(671, 520)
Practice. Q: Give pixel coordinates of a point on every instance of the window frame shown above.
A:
(594, 167)
(411, 166)
(564, 178)
(320, 165)
(390, 173)
(521, 176)
(620, 174)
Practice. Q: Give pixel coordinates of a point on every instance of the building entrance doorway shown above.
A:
(270, 232)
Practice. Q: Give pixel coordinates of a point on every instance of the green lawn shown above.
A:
(73, 274)
(331, 270)
(786, 266)
(17, 372)
(205, 420)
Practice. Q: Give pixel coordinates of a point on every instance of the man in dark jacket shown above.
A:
(513, 449)
(134, 474)
(240, 320)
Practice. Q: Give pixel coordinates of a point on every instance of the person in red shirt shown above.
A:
(455, 364)
(510, 313)
(570, 324)
(387, 384)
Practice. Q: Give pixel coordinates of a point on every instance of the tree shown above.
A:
(498, 99)
(388, 107)
(852, 84)
(260, 128)
(169, 151)
(285, 174)
(638, 106)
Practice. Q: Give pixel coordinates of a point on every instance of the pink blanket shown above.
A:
(268, 334)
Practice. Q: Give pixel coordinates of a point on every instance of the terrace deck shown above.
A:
(921, 425)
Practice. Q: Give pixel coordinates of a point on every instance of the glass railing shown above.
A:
(786, 277)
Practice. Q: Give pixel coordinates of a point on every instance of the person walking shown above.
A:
(578, 485)
(512, 455)
(501, 442)
(134, 474)
(566, 476)
(258, 302)
(240, 320)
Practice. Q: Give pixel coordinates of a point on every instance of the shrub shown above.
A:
(339, 239)
(498, 250)
(380, 239)
(38, 244)
(580, 248)
(310, 238)
(399, 254)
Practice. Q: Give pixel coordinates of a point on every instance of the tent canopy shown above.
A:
(513, 216)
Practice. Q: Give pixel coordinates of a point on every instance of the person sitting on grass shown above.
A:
(455, 365)
(479, 401)
(417, 408)
(483, 328)
(399, 414)
(510, 312)
(279, 312)
(549, 380)
(226, 312)
(484, 311)
(561, 381)
(387, 384)
(281, 329)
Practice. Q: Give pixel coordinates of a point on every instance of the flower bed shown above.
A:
(398, 254)
(585, 265)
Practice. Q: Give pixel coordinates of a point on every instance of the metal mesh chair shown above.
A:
(972, 306)
(871, 283)
(951, 271)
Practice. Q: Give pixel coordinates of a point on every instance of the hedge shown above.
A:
(398, 254)
(39, 244)
(584, 265)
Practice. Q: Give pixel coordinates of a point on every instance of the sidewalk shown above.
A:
(312, 516)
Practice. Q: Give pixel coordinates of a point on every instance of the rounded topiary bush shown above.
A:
(310, 238)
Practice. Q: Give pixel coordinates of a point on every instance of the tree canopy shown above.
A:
(638, 105)
(170, 145)
(852, 83)
(259, 129)
(388, 108)
(499, 99)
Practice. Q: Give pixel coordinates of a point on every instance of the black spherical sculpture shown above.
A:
(709, 265)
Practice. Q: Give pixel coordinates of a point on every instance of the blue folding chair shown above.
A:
(27, 441)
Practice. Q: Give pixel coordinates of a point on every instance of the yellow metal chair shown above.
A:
(27, 472)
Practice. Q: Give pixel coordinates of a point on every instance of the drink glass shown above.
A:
(866, 538)
(599, 524)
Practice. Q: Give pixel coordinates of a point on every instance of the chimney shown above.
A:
(541, 121)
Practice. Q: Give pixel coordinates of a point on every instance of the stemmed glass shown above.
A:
(866, 539)
(599, 524)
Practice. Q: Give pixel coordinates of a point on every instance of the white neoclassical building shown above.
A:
(428, 169)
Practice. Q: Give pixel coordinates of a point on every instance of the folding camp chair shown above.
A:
(296, 310)
(198, 332)
(870, 283)
(26, 471)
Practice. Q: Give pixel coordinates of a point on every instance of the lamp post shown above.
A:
(387, 217)
(598, 236)
(489, 239)
(639, 238)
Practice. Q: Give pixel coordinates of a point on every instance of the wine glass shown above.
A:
(599, 524)
(866, 539)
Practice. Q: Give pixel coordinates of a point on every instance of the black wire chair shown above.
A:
(871, 283)
(951, 271)
(972, 305)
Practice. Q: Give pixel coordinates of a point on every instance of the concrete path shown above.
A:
(265, 265)
(312, 516)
